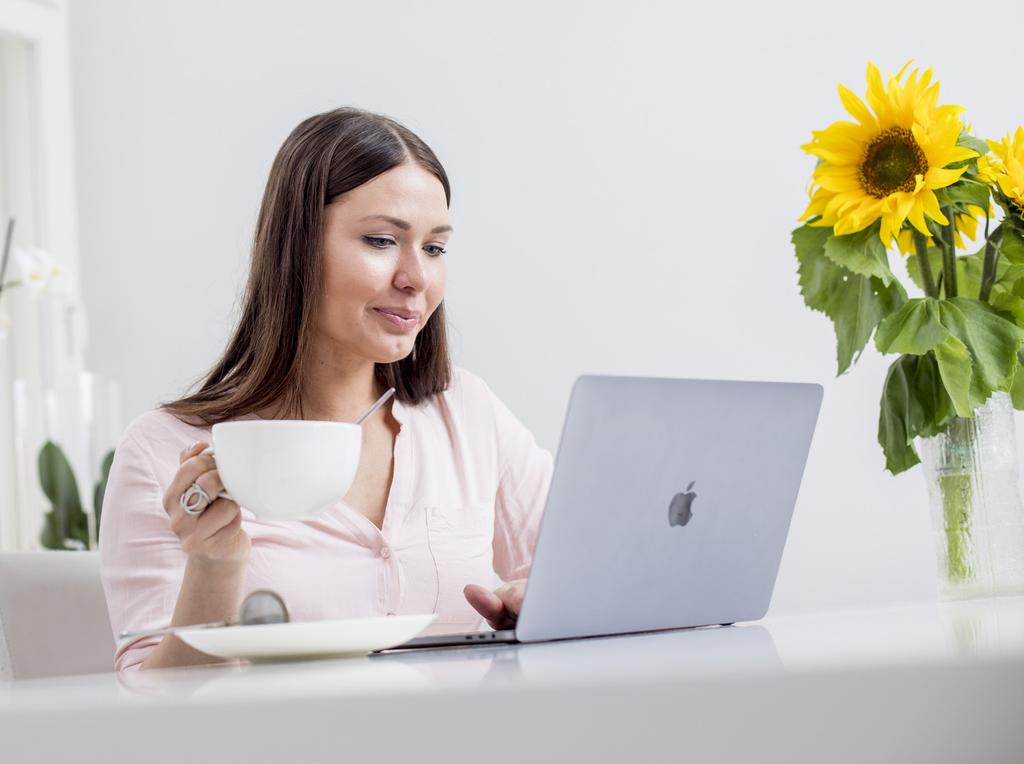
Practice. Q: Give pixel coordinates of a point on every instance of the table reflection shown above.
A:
(684, 652)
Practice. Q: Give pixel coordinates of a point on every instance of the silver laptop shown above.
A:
(668, 508)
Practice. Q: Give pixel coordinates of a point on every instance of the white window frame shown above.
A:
(41, 184)
(44, 25)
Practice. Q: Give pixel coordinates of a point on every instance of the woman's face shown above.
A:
(384, 264)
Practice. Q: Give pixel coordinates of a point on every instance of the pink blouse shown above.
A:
(467, 493)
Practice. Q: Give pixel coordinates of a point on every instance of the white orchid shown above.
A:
(37, 271)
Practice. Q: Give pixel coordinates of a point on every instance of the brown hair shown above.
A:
(324, 157)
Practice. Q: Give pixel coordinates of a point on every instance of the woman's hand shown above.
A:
(215, 535)
(500, 607)
(217, 549)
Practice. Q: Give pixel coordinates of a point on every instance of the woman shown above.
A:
(344, 300)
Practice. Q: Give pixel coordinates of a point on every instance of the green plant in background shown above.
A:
(100, 488)
(66, 525)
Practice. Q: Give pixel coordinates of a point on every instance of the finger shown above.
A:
(219, 514)
(189, 451)
(229, 540)
(487, 604)
(187, 473)
(228, 529)
(210, 482)
(511, 595)
(174, 489)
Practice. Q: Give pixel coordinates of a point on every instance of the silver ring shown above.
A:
(194, 500)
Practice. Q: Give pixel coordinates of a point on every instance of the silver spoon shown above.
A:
(380, 402)
(261, 606)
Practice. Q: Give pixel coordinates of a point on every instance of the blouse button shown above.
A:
(385, 552)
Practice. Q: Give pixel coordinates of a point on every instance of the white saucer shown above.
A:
(307, 639)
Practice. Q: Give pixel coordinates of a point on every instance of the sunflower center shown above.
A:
(892, 161)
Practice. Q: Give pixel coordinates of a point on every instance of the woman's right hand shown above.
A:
(215, 535)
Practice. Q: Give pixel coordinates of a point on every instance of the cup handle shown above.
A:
(223, 494)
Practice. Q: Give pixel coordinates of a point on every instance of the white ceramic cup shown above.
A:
(286, 469)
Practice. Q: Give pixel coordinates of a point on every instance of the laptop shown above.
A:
(668, 508)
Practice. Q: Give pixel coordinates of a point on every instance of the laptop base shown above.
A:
(501, 636)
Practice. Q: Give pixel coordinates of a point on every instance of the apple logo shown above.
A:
(680, 511)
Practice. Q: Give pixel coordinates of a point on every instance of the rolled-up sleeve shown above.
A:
(141, 560)
(524, 470)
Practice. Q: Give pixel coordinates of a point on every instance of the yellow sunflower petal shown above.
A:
(931, 207)
(816, 205)
(899, 74)
(937, 177)
(905, 242)
(876, 90)
(916, 217)
(968, 225)
(904, 202)
(856, 107)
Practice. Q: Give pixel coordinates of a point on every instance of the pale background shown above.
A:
(625, 178)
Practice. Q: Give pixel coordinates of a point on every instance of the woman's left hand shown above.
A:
(500, 607)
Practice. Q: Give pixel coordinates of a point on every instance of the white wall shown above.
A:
(625, 180)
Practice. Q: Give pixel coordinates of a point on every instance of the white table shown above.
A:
(916, 683)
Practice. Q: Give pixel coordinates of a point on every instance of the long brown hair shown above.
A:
(325, 156)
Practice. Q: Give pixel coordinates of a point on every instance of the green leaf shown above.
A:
(862, 253)
(954, 363)
(914, 271)
(894, 419)
(1008, 274)
(101, 488)
(975, 144)
(809, 242)
(1005, 301)
(964, 192)
(1008, 277)
(57, 480)
(975, 346)
(58, 483)
(913, 329)
(1011, 246)
(52, 535)
(934, 408)
(1017, 388)
(969, 271)
(854, 303)
(992, 341)
(914, 404)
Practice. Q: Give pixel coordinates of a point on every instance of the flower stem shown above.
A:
(925, 265)
(949, 253)
(988, 272)
(957, 499)
(7, 252)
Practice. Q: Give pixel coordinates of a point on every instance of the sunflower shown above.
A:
(966, 226)
(888, 164)
(1006, 167)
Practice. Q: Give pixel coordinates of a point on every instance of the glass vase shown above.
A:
(977, 514)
